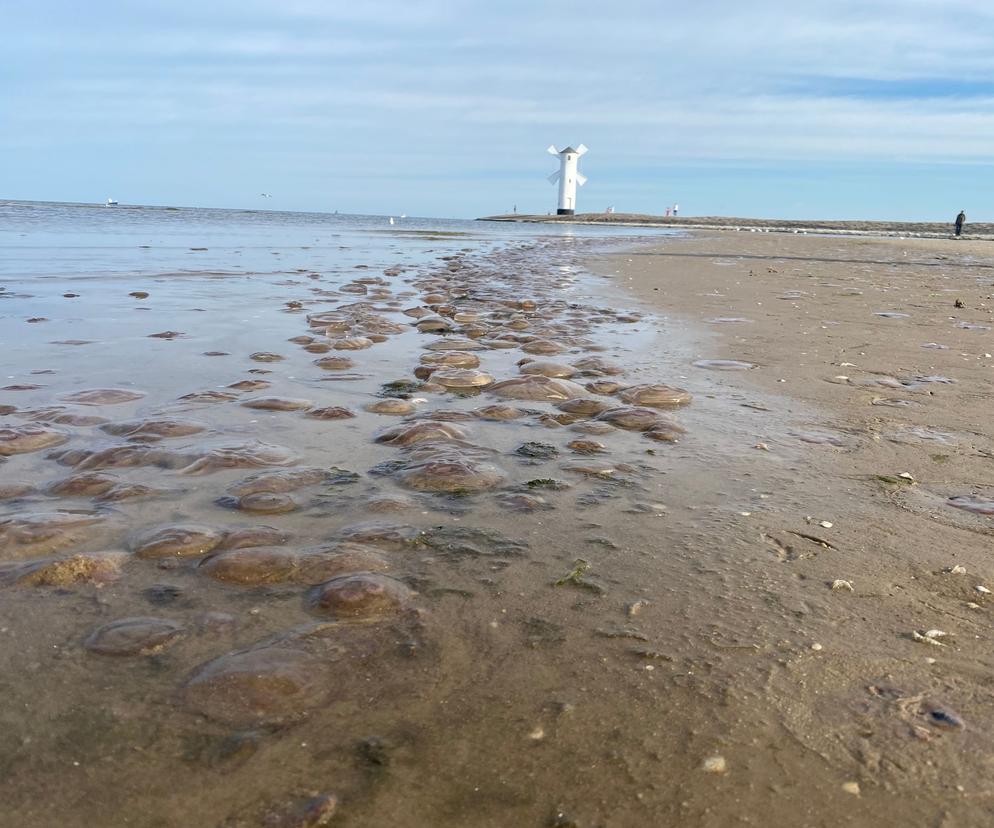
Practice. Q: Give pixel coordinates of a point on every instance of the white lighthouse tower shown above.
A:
(568, 177)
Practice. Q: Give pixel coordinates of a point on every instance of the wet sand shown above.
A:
(882, 536)
(595, 591)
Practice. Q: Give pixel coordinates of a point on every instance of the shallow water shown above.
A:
(446, 686)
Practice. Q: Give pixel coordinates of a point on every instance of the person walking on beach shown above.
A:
(960, 221)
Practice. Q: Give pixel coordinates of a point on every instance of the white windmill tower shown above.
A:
(568, 177)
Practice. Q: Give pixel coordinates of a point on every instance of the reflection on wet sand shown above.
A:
(158, 489)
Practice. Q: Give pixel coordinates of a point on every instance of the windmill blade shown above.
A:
(581, 179)
(554, 178)
(552, 150)
(580, 150)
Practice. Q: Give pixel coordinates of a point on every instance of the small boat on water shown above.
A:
(111, 202)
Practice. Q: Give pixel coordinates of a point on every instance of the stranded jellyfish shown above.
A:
(278, 404)
(631, 418)
(159, 428)
(41, 532)
(88, 484)
(407, 434)
(250, 385)
(548, 369)
(335, 363)
(537, 388)
(452, 473)
(263, 503)
(133, 636)
(362, 595)
(353, 343)
(604, 387)
(256, 566)
(332, 412)
(500, 411)
(209, 396)
(265, 685)
(251, 567)
(390, 536)
(29, 437)
(63, 415)
(249, 536)
(461, 378)
(595, 366)
(655, 396)
(543, 347)
(180, 540)
(103, 396)
(391, 406)
(452, 359)
(456, 344)
(584, 407)
(281, 480)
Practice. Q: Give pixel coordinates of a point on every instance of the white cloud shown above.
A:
(642, 83)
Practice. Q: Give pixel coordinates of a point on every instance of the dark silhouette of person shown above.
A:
(960, 221)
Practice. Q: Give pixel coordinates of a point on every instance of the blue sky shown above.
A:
(816, 109)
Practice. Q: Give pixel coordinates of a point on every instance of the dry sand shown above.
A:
(907, 400)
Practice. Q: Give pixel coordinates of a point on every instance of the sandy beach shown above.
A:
(874, 357)
(442, 529)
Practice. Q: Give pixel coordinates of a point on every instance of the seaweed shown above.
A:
(577, 577)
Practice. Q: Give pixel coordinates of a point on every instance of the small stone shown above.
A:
(714, 764)
(825, 524)
(851, 788)
(817, 647)
(982, 590)
(842, 586)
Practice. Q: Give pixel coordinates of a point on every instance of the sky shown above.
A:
(868, 109)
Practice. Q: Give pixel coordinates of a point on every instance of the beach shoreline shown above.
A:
(627, 624)
(855, 228)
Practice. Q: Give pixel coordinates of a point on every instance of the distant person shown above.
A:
(960, 221)
(667, 212)
(676, 209)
